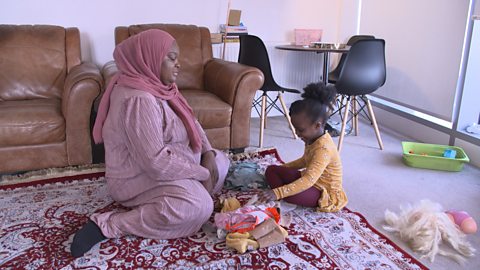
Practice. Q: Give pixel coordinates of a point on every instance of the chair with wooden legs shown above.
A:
(254, 53)
(362, 73)
(333, 75)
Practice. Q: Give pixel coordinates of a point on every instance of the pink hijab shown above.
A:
(139, 60)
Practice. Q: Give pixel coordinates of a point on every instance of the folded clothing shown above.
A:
(241, 242)
(267, 233)
(245, 218)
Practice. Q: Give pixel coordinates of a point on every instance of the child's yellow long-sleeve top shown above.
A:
(323, 170)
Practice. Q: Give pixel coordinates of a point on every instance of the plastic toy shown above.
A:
(464, 221)
(450, 153)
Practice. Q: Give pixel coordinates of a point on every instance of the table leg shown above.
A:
(326, 62)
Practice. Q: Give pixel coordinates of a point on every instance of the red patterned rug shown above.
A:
(39, 219)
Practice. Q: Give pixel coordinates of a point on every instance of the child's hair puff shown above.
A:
(317, 103)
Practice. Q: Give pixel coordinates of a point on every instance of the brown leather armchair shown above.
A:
(46, 97)
(219, 92)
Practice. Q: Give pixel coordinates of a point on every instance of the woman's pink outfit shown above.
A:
(153, 147)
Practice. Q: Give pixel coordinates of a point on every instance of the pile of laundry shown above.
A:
(251, 226)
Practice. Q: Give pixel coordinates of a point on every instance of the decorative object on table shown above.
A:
(40, 218)
(432, 156)
(233, 33)
(234, 17)
(326, 45)
(254, 53)
(425, 226)
(363, 72)
(304, 37)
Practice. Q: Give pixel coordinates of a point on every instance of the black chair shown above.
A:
(333, 75)
(362, 73)
(254, 53)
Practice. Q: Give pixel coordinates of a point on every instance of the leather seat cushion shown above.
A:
(31, 122)
(210, 110)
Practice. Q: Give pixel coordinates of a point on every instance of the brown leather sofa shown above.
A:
(46, 97)
(219, 92)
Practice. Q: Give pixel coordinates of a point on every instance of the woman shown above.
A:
(159, 163)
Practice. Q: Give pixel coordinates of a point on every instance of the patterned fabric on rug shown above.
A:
(38, 221)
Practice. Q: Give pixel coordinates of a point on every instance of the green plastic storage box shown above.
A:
(430, 156)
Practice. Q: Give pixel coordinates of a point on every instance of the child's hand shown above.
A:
(267, 195)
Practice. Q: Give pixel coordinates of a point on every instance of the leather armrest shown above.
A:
(235, 84)
(108, 70)
(82, 85)
(228, 79)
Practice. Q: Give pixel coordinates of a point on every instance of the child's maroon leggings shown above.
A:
(277, 176)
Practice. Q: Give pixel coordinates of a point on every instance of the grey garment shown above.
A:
(244, 176)
(334, 128)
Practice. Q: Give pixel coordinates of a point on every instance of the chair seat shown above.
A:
(31, 122)
(210, 110)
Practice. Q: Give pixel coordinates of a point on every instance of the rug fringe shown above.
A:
(8, 179)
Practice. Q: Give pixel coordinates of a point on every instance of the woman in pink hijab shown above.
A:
(159, 163)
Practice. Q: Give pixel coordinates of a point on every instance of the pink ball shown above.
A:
(468, 226)
(463, 220)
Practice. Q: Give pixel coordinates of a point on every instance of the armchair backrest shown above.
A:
(35, 59)
(195, 49)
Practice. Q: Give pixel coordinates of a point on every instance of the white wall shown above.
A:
(424, 43)
(272, 20)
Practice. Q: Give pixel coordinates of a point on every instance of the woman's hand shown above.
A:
(267, 196)
(208, 161)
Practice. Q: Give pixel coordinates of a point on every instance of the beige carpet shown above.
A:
(376, 180)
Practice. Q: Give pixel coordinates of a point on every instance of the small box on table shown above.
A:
(304, 37)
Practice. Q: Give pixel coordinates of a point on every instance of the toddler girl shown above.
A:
(315, 179)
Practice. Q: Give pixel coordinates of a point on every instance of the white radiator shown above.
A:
(290, 69)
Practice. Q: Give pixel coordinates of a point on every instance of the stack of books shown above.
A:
(232, 33)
